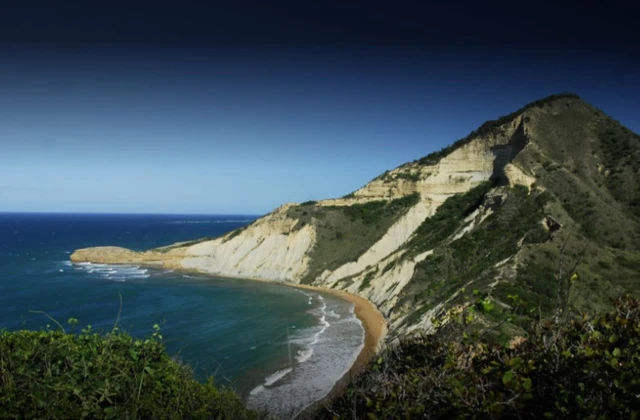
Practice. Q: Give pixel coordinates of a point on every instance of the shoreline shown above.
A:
(375, 331)
(373, 323)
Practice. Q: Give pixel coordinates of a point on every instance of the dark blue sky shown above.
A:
(238, 108)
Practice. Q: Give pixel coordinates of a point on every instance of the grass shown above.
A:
(344, 233)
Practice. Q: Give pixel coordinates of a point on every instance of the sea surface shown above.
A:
(281, 348)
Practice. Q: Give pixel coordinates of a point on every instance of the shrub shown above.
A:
(409, 176)
(584, 368)
(51, 374)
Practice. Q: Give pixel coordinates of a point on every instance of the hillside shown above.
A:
(514, 208)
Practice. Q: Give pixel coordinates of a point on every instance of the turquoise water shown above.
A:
(280, 347)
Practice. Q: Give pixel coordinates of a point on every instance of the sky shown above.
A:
(238, 107)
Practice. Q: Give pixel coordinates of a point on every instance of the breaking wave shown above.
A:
(114, 272)
(325, 352)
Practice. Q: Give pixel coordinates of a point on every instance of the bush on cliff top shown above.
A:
(51, 374)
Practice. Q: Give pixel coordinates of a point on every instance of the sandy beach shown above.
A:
(373, 323)
(375, 328)
(375, 331)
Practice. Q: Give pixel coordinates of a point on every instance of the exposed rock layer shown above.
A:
(276, 247)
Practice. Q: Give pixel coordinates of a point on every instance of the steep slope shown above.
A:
(510, 209)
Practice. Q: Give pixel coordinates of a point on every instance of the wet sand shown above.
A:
(375, 329)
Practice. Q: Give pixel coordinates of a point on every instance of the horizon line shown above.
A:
(129, 213)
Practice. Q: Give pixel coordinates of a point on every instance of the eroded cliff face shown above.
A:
(276, 248)
(474, 216)
(269, 249)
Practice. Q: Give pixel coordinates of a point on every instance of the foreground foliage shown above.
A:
(51, 374)
(586, 368)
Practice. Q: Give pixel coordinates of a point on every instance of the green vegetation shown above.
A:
(472, 258)
(448, 218)
(525, 326)
(344, 233)
(620, 148)
(586, 367)
(50, 374)
(409, 176)
(366, 282)
(389, 266)
(236, 232)
(376, 211)
(489, 127)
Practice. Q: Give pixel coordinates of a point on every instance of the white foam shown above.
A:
(304, 355)
(256, 390)
(308, 295)
(308, 344)
(116, 272)
(327, 351)
(333, 314)
(272, 379)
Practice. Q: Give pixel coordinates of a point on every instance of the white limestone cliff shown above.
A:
(272, 249)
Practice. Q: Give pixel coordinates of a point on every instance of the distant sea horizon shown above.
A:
(281, 348)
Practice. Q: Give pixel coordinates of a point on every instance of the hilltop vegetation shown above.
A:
(489, 127)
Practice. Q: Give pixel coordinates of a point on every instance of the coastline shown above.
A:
(373, 323)
(375, 331)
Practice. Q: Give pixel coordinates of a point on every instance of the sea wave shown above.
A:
(333, 314)
(114, 272)
(325, 353)
(307, 294)
(272, 379)
(304, 355)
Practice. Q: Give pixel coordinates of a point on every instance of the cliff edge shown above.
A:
(547, 185)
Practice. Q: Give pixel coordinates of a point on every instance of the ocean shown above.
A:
(279, 347)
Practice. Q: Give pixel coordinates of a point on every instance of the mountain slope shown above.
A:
(509, 209)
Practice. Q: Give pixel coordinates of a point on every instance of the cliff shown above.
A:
(474, 215)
